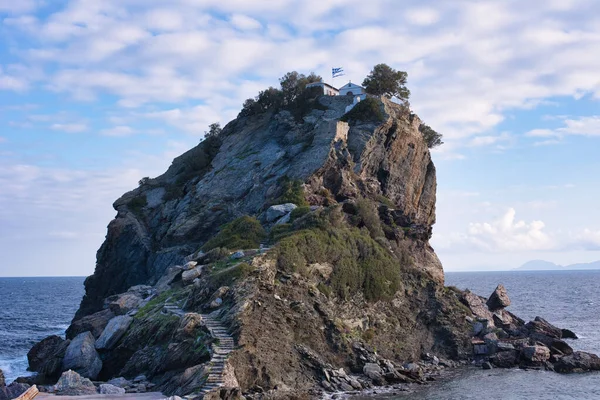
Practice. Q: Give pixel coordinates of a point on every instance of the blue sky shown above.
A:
(95, 95)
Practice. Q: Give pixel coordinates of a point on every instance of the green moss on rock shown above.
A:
(242, 233)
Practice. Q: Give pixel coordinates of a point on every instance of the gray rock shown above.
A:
(536, 354)
(140, 378)
(568, 334)
(543, 327)
(373, 371)
(503, 346)
(42, 351)
(123, 303)
(73, 384)
(477, 328)
(578, 362)
(478, 307)
(119, 382)
(13, 390)
(188, 276)
(499, 299)
(486, 365)
(237, 255)
(113, 332)
(2, 380)
(278, 211)
(190, 265)
(168, 278)
(505, 359)
(106, 388)
(94, 323)
(81, 356)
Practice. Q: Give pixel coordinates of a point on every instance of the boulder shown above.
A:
(46, 356)
(487, 365)
(536, 354)
(73, 384)
(171, 275)
(373, 371)
(124, 303)
(188, 276)
(13, 390)
(505, 359)
(568, 334)
(477, 306)
(119, 382)
(579, 361)
(190, 265)
(560, 347)
(543, 327)
(189, 325)
(94, 323)
(237, 255)
(107, 388)
(499, 299)
(275, 212)
(43, 350)
(113, 332)
(216, 299)
(81, 356)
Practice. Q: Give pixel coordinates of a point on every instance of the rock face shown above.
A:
(499, 299)
(81, 356)
(13, 390)
(113, 332)
(245, 165)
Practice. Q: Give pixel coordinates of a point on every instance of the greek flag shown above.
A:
(335, 72)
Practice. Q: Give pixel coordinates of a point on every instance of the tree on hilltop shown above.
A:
(432, 138)
(383, 80)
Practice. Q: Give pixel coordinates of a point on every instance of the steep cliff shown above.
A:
(240, 173)
(290, 245)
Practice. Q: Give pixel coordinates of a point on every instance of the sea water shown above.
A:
(30, 310)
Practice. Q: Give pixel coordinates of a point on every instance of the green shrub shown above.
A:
(368, 110)
(299, 212)
(173, 192)
(137, 204)
(236, 273)
(360, 263)
(242, 233)
(369, 217)
(432, 138)
(291, 192)
(278, 232)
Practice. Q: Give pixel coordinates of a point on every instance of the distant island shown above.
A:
(541, 265)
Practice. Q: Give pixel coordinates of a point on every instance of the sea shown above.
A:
(33, 308)
(30, 310)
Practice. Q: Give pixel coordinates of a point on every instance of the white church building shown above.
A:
(352, 89)
(349, 89)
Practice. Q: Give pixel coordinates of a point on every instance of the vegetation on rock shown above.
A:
(242, 233)
(383, 80)
(432, 138)
(291, 192)
(368, 110)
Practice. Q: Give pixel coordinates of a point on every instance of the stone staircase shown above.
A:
(221, 350)
(172, 308)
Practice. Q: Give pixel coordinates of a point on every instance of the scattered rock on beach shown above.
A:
(73, 384)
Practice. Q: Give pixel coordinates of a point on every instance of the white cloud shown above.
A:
(480, 141)
(582, 126)
(118, 131)
(422, 16)
(244, 22)
(70, 128)
(505, 234)
(588, 239)
(13, 83)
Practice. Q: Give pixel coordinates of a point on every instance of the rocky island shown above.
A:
(285, 257)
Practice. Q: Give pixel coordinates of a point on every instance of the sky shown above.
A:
(95, 95)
